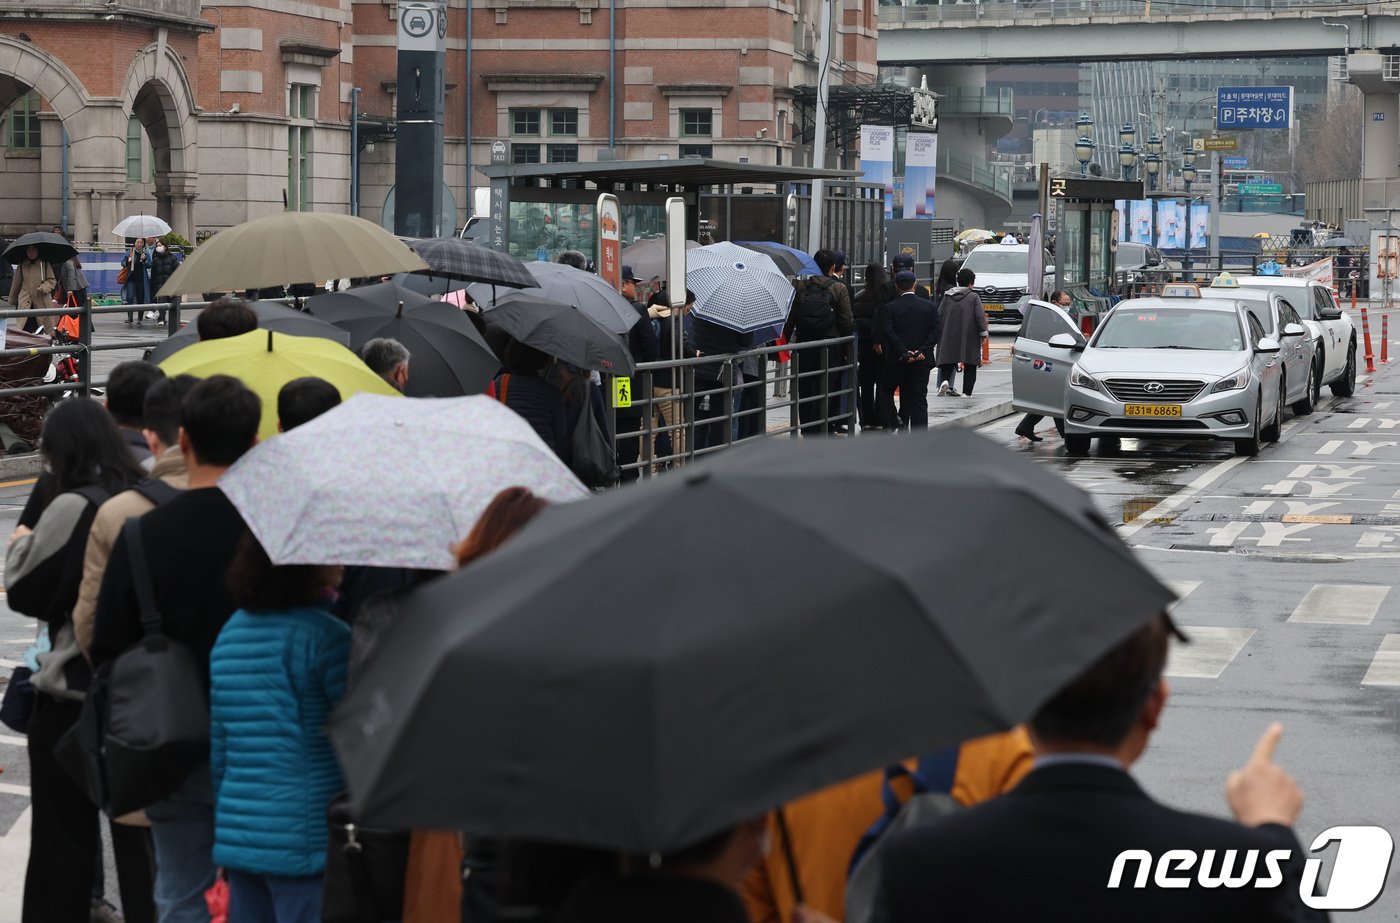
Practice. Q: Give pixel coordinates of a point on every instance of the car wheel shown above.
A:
(1346, 385)
(1274, 430)
(1076, 445)
(1304, 406)
(1250, 447)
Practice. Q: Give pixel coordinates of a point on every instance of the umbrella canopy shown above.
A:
(737, 288)
(449, 356)
(1261, 235)
(271, 316)
(975, 234)
(288, 248)
(428, 285)
(562, 331)
(1340, 242)
(461, 259)
(141, 226)
(316, 496)
(265, 361)
(584, 290)
(678, 714)
(790, 260)
(648, 257)
(52, 247)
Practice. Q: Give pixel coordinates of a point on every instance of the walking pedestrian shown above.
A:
(163, 266)
(188, 544)
(89, 463)
(869, 346)
(137, 288)
(911, 333)
(963, 327)
(947, 278)
(275, 673)
(32, 288)
(74, 281)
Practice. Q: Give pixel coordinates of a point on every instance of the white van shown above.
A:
(1001, 278)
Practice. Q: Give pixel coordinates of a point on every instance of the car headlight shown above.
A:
(1232, 382)
(1081, 380)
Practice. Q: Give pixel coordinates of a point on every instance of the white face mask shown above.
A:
(160, 249)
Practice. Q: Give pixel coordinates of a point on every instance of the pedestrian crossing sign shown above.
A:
(622, 391)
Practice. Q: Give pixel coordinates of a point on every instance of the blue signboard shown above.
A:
(1235, 163)
(1253, 107)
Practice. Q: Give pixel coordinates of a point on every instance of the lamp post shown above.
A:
(1084, 152)
(1127, 159)
(1152, 163)
(1188, 176)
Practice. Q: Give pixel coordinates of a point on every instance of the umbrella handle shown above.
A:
(785, 840)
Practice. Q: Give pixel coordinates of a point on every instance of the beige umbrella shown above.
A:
(289, 248)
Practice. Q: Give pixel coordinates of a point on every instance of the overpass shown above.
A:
(995, 32)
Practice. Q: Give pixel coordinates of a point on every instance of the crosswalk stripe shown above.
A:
(1211, 650)
(13, 741)
(1182, 589)
(9, 788)
(1340, 604)
(1385, 666)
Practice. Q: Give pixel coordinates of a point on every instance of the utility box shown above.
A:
(927, 240)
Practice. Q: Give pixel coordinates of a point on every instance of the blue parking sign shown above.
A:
(1253, 107)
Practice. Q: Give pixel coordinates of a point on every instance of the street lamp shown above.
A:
(1085, 126)
(1152, 163)
(1127, 158)
(1084, 152)
(1127, 135)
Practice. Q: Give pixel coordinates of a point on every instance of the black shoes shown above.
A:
(1028, 434)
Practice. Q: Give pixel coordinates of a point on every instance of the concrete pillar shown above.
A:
(1380, 113)
(163, 211)
(182, 215)
(82, 216)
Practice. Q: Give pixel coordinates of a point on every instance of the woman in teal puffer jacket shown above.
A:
(276, 672)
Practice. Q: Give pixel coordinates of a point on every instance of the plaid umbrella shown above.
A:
(737, 288)
(461, 259)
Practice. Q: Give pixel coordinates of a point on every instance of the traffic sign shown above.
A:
(1221, 144)
(1261, 188)
(1254, 107)
(498, 152)
(1235, 163)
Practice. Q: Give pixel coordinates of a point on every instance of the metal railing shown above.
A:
(976, 172)
(714, 406)
(975, 101)
(1033, 11)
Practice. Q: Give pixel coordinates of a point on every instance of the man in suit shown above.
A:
(911, 331)
(1048, 848)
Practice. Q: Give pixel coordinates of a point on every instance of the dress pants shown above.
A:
(913, 393)
(869, 369)
(629, 442)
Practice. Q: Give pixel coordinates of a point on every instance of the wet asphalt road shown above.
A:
(1285, 564)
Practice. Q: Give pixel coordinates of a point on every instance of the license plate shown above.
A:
(1151, 410)
(994, 307)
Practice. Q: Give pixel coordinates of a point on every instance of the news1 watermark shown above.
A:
(1358, 870)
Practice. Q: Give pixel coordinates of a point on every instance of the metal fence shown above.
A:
(715, 405)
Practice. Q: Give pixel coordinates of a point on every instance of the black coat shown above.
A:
(1046, 849)
(644, 346)
(607, 899)
(541, 404)
(911, 324)
(163, 266)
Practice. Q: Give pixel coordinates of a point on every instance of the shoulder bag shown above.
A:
(593, 460)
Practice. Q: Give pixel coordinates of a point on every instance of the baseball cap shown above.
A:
(904, 278)
(902, 261)
(628, 275)
(839, 256)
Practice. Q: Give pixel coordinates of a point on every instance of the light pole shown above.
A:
(1188, 176)
(1127, 159)
(1153, 160)
(1084, 152)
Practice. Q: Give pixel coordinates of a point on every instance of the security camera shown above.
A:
(233, 110)
(761, 132)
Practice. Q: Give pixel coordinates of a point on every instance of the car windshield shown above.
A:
(995, 259)
(1171, 328)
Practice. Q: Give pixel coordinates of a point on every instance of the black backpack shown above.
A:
(814, 312)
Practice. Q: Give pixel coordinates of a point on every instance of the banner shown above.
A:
(1140, 222)
(920, 171)
(1120, 223)
(877, 160)
(1200, 226)
(1171, 225)
(1320, 271)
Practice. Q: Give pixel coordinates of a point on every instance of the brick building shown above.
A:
(208, 114)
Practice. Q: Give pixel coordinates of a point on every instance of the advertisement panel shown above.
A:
(920, 173)
(1200, 226)
(610, 240)
(877, 160)
(1140, 221)
(1171, 225)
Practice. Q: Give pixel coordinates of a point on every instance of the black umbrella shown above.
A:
(790, 260)
(562, 331)
(1340, 242)
(569, 285)
(449, 358)
(425, 284)
(52, 248)
(271, 316)
(827, 628)
(461, 259)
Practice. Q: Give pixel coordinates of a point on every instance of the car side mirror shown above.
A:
(1329, 314)
(1293, 330)
(1067, 341)
(1267, 345)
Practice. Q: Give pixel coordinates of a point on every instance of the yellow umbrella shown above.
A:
(975, 234)
(289, 248)
(265, 361)
(1262, 234)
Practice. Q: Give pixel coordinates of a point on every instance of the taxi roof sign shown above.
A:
(1225, 280)
(1181, 290)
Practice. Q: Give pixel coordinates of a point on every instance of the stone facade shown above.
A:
(240, 106)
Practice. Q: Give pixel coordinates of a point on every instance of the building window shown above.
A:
(301, 103)
(24, 123)
(697, 150)
(697, 123)
(524, 153)
(301, 110)
(525, 122)
(563, 122)
(133, 150)
(563, 153)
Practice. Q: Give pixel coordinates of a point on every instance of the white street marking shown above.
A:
(1366, 448)
(1336, 472)
(1160, 511)
(1340, 604)
(1211, 650)
(1182, 589)
(1385, 666)
(1330, 447)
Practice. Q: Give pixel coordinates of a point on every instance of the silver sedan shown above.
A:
(1177, 368)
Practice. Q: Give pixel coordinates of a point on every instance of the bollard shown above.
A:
(1366, 333)
(1385, 337)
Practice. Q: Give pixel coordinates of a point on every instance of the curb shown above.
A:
(977, 417)
(20, 466)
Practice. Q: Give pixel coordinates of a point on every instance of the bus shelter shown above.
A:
(539, 210)
(1087, 238)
